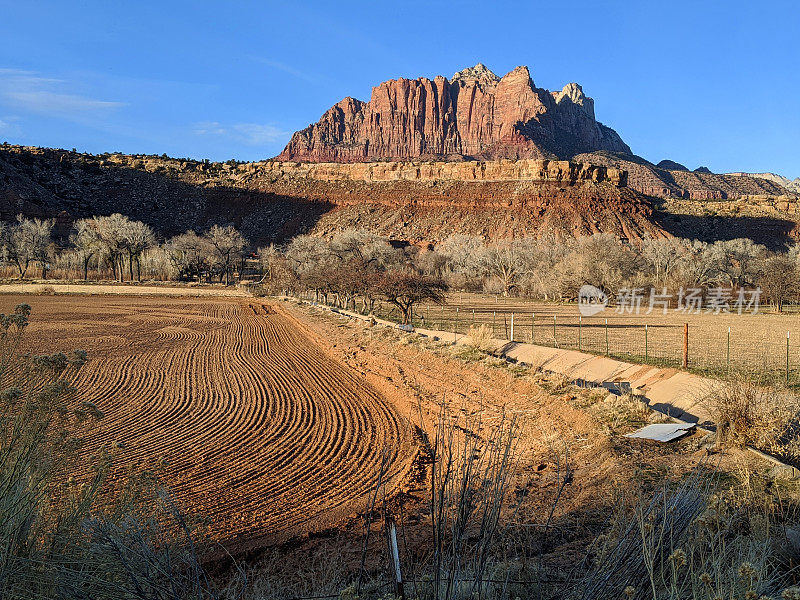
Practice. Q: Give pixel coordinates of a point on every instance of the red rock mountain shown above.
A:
(475, 114)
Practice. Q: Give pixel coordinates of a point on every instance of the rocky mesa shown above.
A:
(270, 201)
(475, 115)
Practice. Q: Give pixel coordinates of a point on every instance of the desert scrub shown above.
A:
(480, 337)
(553, 383)
(749, 414)
(688, 541)
(467, 353)
(625, 410)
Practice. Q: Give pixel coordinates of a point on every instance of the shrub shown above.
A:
(480, 337)
(686, 542)
(748, 414)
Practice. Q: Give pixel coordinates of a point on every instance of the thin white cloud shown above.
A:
(250, 134)
(289, 70)
(32, 92)
(9, 126)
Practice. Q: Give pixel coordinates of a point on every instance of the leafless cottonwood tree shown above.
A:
(28, 241)
(780, 280)
(189, 254)
(228, 244)
(87, 242)
(138, 237)
(112, 232)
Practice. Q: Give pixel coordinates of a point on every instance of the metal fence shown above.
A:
(771, 355)
(765, 351)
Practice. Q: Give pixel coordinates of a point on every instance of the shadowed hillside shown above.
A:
(423, 202)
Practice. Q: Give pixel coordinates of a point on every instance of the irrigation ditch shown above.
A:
(672, 392)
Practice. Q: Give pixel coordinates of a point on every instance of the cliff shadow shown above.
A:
(774, 233)
(67, 190)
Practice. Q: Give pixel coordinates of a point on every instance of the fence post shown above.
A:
(473, 316)
(555, 339)
(398, 577)
(494, 316)
(607, 354)
(646, 352)
(580, 332)
(533, 328)
(511, 339)
(728, 359)
(685, 362)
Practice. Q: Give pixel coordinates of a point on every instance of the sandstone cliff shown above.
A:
(558, 171)
(700, 184)
(475, 114)
(271, 201)
(792, 185)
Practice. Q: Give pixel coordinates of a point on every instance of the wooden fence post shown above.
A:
(395, 552)
(685, 362)
(555, 339)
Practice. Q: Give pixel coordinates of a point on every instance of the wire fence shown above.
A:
(760, 351)
(764, 348)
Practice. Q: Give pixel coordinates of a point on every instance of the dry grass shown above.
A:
(757, 342)
(480, 337)
(692, 541)
(622, 411)
(749, 414)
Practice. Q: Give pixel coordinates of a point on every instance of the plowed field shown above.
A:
(261, 430)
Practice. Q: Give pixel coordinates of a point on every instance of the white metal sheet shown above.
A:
(662, 432)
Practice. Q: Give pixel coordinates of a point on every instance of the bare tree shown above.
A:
(779, 280)
(189, 253)
(505, 260)
(137, 237)
(29, 241)
(228, 244)
(404, 288)
(700, 264)
(600, 260)
(663, 256)
(85, 238)
(740, 260)
(112, 232)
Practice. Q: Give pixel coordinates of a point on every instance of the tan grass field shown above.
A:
(757, 341)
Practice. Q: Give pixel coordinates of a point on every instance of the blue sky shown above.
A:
(702, 83)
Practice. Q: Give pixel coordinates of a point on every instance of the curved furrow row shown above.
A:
(260, 430)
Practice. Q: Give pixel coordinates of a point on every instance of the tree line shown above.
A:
(350, 265)
(357, 266)
(118, 245)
